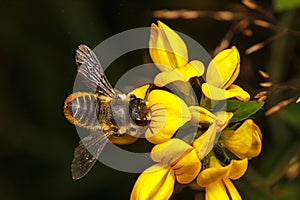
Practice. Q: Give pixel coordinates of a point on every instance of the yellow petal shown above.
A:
(166, 48)
(206, 141)
(180, 156)
(213, 92)
(140, 92)
(216, 181)
(168, 113)
(244, 142)
(123, 140)
(224, 68)
(256, 142)
(167, 77)
(216, 172)
(223, 119)
(216, 93)
(217, 191)
(213, 174)
(156, 182)
(194, 68)
(222, 190)
(187, 168)
(237, 168)
(201, 115)
(232, 191)
(169, 152)
(238, 92)
(236, 142)
(185, 91)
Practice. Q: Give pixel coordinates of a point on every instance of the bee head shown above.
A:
(138, 111)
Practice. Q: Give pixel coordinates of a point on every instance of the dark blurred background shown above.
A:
(38, 40)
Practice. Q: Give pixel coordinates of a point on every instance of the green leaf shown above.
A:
(243, 110)
(282, 5)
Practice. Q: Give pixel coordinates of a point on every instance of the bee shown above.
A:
(105, 113)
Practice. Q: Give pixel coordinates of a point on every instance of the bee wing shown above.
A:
(90, 69)
(87, 153)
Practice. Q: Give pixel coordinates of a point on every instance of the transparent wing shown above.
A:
(87, 153)
(91, 71)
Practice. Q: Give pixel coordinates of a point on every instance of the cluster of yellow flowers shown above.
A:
(224, 140)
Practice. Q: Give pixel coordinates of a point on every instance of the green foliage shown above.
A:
(282, 5)
(291, 116)
(243, 110)
(288, 191)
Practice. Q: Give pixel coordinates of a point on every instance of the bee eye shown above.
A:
(139, 122)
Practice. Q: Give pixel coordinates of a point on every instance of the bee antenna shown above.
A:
(148, 91)
(150, 128)
(148, 124)
(151, 86)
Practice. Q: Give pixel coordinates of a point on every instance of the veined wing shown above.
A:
(90, 69)
(87, 153)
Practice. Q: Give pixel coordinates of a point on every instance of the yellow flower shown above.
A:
(177, 161)
(180, 156)
(168, 113)
(218, 121)
(216, 179)
(169, 52)
(156, 182)
(221, 73)
(244, 142)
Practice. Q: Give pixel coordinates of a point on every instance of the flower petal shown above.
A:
(216, 172)
(223, 190)
(216, 93)
(140, 92)
(236, 142)
(244, 142)
(206, 141)
(224, 68)
(169, 152)
(201, 115)
(180, 156)
(166, 48)
(223, 119)
(256, 142)
(194, 68)
(215, 191)
(232, 191)
(168, 113)
(238, 92)
(238, 168)
(156, 182)
(213, 92)
(167, 77)
(213, 174)
(187, 168)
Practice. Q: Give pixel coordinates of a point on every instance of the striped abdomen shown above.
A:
(83, 109)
